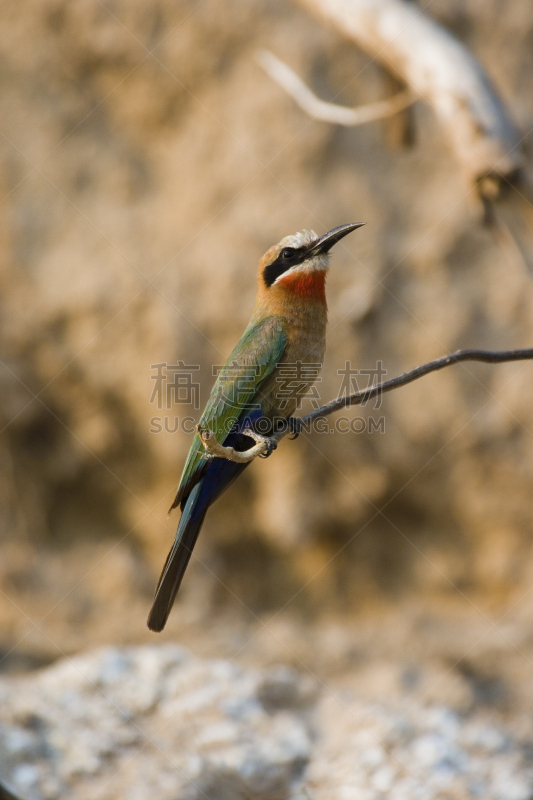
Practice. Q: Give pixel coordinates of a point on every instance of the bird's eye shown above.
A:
(287, 252)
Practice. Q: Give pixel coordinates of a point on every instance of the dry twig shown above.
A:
(285, 77)
(435, 67)
(214, 448)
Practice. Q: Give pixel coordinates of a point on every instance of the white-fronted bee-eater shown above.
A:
(288, 326)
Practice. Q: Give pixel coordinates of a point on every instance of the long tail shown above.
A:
(218, 476)
(191, 521)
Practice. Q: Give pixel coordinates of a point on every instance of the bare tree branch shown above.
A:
(438, 68)
(489, 356)
(264, 444)
(285, 77)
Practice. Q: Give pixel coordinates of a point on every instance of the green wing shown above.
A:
(253, 359)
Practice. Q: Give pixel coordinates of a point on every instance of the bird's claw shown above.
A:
(295, 427)
(271, 445)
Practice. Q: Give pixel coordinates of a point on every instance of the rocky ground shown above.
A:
(156, 720)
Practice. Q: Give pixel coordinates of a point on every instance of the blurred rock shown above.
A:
(157, 720)
(154, 720)
(409, 752)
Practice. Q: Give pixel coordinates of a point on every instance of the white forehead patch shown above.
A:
(299, 239)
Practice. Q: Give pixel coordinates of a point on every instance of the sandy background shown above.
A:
(147, 162)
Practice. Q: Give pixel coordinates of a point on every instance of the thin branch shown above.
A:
(214, 448)
(285, 77)
(489, 356)
(438, 68)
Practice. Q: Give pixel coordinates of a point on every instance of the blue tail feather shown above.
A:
(219, 474)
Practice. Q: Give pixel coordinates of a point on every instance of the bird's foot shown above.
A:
(295, 427)
(271, 444)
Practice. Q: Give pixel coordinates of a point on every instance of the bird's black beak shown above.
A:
(326, 242)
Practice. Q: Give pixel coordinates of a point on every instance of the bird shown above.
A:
(287, 327)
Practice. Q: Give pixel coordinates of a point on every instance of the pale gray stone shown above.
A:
(137, 722)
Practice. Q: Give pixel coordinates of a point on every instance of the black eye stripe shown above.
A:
(273, 271)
